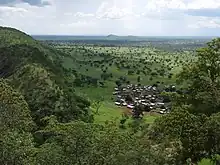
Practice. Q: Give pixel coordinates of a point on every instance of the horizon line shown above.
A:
(102, 35)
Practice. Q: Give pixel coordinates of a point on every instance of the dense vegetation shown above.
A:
(44, 120)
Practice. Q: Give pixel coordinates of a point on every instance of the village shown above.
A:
(140, 99)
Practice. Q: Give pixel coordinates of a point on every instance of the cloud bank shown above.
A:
(124, 17)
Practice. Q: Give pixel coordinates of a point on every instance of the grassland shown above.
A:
(144, 65)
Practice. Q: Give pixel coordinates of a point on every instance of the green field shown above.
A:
(144, 65)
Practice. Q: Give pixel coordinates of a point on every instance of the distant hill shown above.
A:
(36, 71)
(112, 35)
(129, 37)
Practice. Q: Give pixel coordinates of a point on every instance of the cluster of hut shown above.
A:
(146, 98)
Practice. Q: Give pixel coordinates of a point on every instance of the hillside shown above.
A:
(36, 71)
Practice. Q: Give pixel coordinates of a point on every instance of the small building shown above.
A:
(124, 104)
(161, 112)
(117, 103)
(146, 96)
(130, 106)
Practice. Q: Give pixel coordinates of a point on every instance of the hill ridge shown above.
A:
(36, 71)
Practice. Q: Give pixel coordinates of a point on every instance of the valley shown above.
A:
(111, 101)
(99, 68)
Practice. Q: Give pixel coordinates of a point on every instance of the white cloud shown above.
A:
(81, 14)
(10, 12)
(115, 10)
(115, 13)
(204, 22)
(124, 17)
(4, 9)
(200, 4)
(165, 4)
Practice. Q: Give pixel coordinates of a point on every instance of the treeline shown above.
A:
(171, 44)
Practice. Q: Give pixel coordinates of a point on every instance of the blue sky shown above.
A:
(120, 17)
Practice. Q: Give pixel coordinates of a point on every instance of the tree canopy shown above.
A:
(202, 80)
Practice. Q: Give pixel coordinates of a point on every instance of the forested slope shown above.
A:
(35, 70)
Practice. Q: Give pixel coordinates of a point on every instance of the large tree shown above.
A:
(202, 79)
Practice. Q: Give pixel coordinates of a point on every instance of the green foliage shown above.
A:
(81, 143)
(97, 103)
(194, 120)
(199, 135)
(14, 111)
(16, 148)
(202, 79)
(10, 36)
(16, 142)
(37, 72)
(50, 154)
(212, 126)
